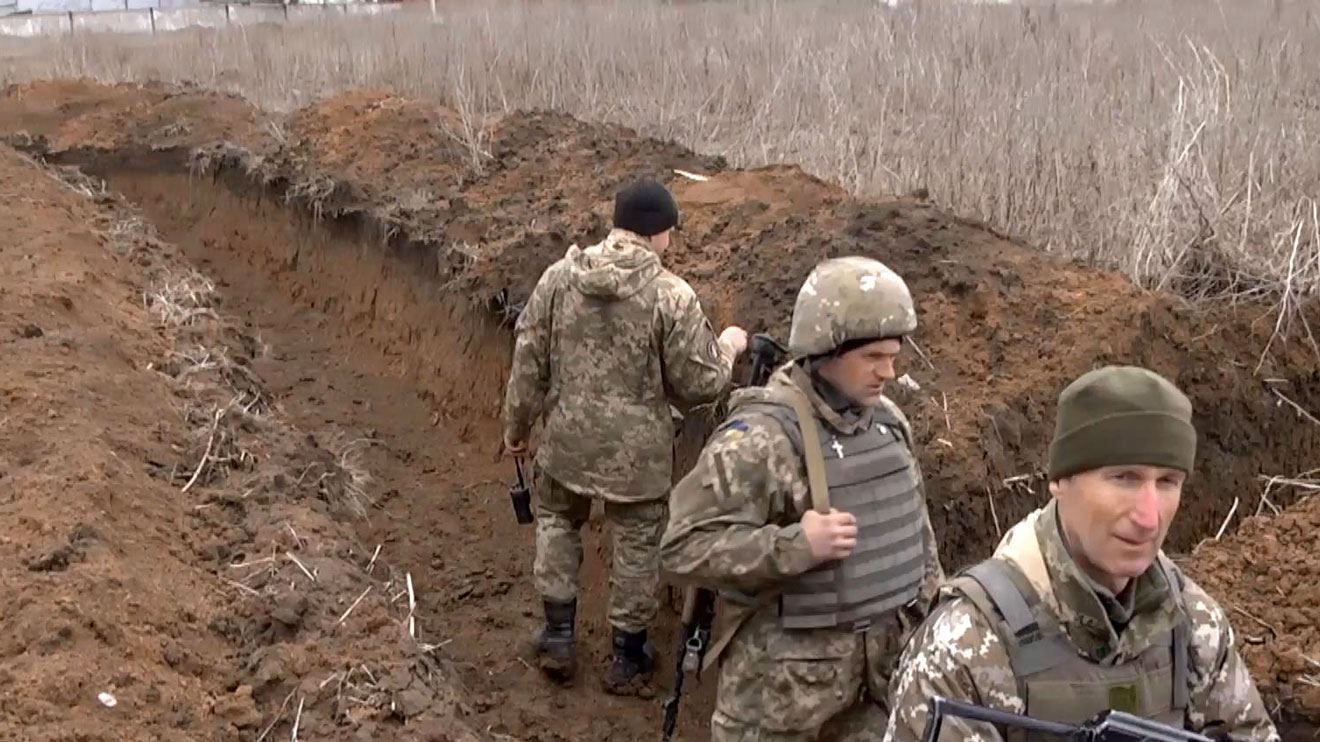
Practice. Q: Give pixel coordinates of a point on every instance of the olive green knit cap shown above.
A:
(1120, 415)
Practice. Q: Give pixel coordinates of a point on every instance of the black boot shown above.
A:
(555, 647)
(634, 661)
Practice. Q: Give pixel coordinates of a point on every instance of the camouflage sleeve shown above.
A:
(722, 529)
(956, 655)
(697, 366)
(1224, 701)
(529, 374)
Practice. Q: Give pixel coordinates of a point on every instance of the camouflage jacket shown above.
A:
(957, 654)
(606, 340)
(734, 519)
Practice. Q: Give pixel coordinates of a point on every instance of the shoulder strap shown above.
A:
(889, 413)
(995, 576)
(1032, 640)
(785, 416)
(820, 495)
(805, 440)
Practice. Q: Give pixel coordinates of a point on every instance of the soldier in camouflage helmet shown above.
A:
(606, 339)
(806, 513)
(1078, 610)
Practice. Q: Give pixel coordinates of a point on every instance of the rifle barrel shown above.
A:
(941, 707)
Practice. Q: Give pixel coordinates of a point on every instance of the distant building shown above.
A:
(11, 7)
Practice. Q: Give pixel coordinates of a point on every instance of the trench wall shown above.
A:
(392, 292)
(386, 292)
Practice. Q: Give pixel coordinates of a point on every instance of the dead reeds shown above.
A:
(1177, 142)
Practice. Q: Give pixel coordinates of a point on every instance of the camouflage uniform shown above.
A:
(607, 338)
(959, 654)
(734, 527)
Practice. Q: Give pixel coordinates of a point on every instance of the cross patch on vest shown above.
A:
(868, 473)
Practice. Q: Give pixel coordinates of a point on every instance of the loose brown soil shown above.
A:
(1267, 575)
(171, 540)
(388, 318)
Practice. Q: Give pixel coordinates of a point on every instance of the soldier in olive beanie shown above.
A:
(1120, 415)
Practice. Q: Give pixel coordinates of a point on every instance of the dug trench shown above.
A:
(373, 335)
(179, 560)
(362, 341)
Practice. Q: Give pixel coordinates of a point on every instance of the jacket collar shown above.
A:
(828, 402)
(1038, 547)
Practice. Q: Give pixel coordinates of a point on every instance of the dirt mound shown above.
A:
(1267, 576)
(1002, 330)
(370, 150)
(549, 183)
(472, 220)
(76, 113)
(502, 194)
(183, 569)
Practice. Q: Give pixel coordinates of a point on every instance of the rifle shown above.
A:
(1107, 726)
(698, 616)
(699, 603)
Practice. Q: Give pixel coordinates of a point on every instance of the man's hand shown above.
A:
(831, 536)
(514, 447)
(734, 338)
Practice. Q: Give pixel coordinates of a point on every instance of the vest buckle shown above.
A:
(1029, 634)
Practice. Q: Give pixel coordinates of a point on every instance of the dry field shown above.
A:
(258, 288)
(1178, 142)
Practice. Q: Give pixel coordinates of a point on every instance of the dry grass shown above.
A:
(1177, 141)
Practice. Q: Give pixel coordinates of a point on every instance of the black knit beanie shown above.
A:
(1120, 415)
(645, 207)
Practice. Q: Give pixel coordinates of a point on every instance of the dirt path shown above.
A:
(443, 512)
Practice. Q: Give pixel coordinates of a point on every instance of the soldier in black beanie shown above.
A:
(646, 208)
(608, 341)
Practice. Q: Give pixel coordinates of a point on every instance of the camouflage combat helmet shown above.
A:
(849, 298)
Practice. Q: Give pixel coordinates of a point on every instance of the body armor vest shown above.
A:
(1054, 680)
(871, 475)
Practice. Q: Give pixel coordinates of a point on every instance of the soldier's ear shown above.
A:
(1054, 487)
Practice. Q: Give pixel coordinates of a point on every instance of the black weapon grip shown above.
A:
(520, 496)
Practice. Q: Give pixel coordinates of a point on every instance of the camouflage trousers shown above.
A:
(818, 685)
(635, 573)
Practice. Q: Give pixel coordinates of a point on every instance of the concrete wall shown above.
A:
(151, 16)
(54, 6)
(35, 25)
(124, 21)
(84, 6)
